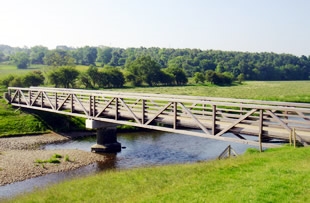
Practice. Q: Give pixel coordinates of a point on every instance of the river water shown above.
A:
(141, 149)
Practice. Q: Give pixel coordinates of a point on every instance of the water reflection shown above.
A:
(142, 149)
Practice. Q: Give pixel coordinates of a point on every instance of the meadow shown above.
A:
(292, 91)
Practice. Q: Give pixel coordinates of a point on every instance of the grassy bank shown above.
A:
(278, 175)
(16, 122)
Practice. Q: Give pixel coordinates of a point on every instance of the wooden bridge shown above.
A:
(214, 118)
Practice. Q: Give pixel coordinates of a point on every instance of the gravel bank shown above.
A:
(18, 156)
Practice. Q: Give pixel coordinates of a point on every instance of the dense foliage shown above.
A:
(161, 66)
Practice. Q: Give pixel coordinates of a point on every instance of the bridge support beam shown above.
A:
(106, 137)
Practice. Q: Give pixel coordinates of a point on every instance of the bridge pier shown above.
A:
(106, 136)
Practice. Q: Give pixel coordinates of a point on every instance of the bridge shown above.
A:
(245, 121)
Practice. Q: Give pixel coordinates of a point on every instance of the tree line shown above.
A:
(159, 66)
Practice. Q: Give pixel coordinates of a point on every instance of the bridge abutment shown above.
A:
(106, 136)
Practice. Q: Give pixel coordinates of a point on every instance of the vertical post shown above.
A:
(294, 137)
(19, 100)
(229, 151)
(56, 103)
(175, 109)
(116, 108)
(143, 111)
(90, 105)
(94, 106)
(29, 95)
(71, 103)
(260, 133)
(291, 136)
(42, 99)
(213, 119)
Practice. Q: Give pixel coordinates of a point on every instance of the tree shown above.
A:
(178, 73)
(240, 78)
(58, 58)
(37, 54)
(34, 78)
(199, 77)
(89, 55)
(94, 75)
(21, 59)
(64, 76)
(144, 69)
(115, 77)
(104, 55)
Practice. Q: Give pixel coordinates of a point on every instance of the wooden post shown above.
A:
(294, 137)
(290, 138)
(260, 129)
(56, 104)
(94, 106)
(213, 119)
(116, 108)
(29, 94)
(260, 142)
(143, 111)
(175, 109)
(42, 100)
(90, 105)
(71, 103)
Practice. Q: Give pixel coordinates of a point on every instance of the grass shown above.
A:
(292, 91)
(11, 69)
(55, 159)
(278, 175)
(16, 122)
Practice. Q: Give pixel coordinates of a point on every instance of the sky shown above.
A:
(279, 26)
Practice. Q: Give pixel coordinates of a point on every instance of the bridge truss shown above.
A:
(215, 118)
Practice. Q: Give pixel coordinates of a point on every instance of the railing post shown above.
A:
(213, 119)
(42, 99)
(143, 111)
(29, 95)
(56, 99)
(71, 103)
(116, 108)
(175, 110)
(90, 105)
(94, 106)
(260, 133)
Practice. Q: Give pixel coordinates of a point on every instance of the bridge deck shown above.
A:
(210, 117)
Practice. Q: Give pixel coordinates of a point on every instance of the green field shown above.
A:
(277, 175)
(11, 69)
(297, 91)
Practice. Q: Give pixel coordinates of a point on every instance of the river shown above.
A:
(140, 149)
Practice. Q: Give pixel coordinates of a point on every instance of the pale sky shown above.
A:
(280, 26)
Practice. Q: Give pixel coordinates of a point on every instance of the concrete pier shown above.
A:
(106, 137)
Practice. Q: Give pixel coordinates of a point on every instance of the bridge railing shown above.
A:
(212, 117)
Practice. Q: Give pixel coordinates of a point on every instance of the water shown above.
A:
(142, 149)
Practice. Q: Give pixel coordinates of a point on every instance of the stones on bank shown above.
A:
(18, 157)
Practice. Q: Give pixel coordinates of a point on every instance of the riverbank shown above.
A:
(276, 175)
(18, 157)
